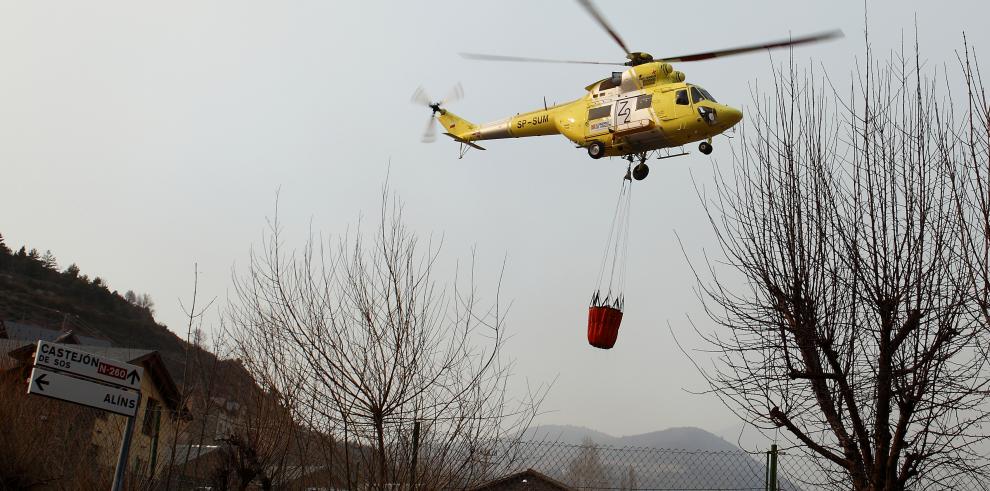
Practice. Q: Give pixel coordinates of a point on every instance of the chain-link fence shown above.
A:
(591, 466)
(799, 471)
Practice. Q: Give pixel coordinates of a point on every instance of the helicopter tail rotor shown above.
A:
(455, 94)
(420, 97)
(430, 133)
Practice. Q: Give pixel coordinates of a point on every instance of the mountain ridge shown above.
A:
(681, 438)
(673, 458)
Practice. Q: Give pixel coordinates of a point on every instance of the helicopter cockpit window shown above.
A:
(681, 98)
(696, 95)
(707, 94)
(699, 94)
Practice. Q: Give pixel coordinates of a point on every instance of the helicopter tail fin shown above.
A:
(457, 127)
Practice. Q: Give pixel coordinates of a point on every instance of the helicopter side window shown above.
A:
(599, 112)
(681, 98)
(644, 101)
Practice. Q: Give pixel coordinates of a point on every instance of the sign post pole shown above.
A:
(125, 448)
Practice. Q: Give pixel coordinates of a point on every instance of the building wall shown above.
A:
(152, 418)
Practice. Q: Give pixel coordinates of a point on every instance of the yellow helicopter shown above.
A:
(632, 113)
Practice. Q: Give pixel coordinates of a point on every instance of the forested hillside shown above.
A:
(35, 289)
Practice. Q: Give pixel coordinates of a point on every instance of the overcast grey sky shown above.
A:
(138, 138)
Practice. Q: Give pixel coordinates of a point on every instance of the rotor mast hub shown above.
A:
(637, 58)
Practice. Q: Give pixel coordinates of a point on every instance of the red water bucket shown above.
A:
(603, 326)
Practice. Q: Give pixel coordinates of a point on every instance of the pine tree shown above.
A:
(72, 271)
(48, 261)
(4, 253)
(32, 266)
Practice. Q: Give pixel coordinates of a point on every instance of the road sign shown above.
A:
(45, 382)
(70, 359)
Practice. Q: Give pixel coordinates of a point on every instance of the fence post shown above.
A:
(415, 455)
(772, 468)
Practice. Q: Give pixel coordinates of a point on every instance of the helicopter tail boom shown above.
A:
(535, 123)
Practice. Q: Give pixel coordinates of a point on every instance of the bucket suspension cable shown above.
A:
(616, 252)
(605, 313)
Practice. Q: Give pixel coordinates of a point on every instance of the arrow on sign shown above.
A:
(133, 376)
(41, 382)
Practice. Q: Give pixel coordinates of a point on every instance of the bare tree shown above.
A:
(586, 471)
(259, 446)
(854, 322)
(971, 183)
(44, 443)
(629, 482)
(144, 301)
(361, 343)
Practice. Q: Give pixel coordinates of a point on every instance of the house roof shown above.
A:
(30, 332)
(522, 476)
(188, 453)
(6, 346)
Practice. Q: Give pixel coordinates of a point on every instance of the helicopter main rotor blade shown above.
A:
(590, 7)
(812, 38)
(484, 57)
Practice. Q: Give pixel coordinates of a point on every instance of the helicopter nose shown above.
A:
(731, 116)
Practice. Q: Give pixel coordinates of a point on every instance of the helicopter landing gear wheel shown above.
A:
(596, 150)
(705, 148)
(641, 171)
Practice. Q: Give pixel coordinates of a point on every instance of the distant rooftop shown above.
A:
(29, 332)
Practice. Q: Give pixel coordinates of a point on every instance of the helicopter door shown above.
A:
(632, 110)
(676, 104)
